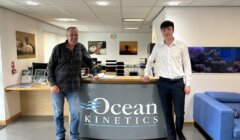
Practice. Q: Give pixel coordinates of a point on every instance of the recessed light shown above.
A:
(131, 28)
(174, 3)
(66, 19)
(102, 3)
(31, 2)
(133, 19)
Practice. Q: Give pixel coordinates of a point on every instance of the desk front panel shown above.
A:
(121, 111)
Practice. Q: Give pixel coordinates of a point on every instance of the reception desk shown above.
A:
(122, 108)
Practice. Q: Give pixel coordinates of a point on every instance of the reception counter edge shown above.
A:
(115, 80)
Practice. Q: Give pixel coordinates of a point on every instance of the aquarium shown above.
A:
(215, 59)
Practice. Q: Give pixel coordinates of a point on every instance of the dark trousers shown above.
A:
(172, 94)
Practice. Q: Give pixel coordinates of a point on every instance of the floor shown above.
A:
(41, 128)
(1, 127)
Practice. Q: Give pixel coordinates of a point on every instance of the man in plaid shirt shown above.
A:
(64, 75)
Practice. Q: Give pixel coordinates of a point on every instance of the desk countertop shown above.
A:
(121, 80)
(115, 80)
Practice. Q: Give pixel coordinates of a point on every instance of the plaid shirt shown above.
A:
(64, 67)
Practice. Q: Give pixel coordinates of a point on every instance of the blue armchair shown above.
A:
(215, 113)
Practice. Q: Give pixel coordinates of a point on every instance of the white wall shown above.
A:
(143, 40)
(2, 102)
(156, 34)
(15, 22)
(50, 41)
(206, 26)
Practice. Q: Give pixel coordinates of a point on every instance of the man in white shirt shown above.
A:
(174, 68)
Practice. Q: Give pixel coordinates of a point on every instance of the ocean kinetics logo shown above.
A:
(91, 105)
(100, 112)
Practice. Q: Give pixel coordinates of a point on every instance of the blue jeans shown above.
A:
(73, 98)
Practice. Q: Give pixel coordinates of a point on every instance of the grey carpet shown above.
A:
(1, 127)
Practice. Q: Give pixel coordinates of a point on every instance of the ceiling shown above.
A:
(93, 18)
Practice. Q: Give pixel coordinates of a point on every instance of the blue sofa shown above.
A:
(217, 114)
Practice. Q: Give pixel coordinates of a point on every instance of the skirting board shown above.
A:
(11, 119)
(188, 123)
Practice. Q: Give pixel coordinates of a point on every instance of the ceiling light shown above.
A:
(133, 19)
(132, 28)
(66, 19)
(31, 2)
(174, 3)
(102, 3)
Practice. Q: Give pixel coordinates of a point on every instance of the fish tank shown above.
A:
(215, 59)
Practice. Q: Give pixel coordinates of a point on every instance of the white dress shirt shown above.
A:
(173, 61)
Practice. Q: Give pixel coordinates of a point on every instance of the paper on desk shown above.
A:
(20, 86)
(104, 76)
(25, 85)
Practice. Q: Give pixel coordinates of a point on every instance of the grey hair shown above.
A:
(72, 27)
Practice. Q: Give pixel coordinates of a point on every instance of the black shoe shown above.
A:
(181, 136)
(62, 139)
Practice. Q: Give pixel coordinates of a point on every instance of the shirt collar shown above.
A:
(174, 43)
(75, 47)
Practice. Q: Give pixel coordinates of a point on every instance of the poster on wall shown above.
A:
(128, 48)
(97, 47)
(215, 59)
(25, 43)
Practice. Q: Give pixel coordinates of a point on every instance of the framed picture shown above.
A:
(25, 43)
(215, 59)
(128, 48)
(26, 76)
(97, 47)
(39, 76)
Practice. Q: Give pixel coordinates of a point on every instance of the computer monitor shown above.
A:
(150, 48)
(39, 66)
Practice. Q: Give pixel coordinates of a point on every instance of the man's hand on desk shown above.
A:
(146, 78)
(95, 78)
(55, 89)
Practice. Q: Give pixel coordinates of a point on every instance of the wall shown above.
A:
(2, 109)
(143, 40)
(50, 41)
(205, 26)
(10, 102)
(156, 34)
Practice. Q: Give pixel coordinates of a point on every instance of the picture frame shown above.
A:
(39, 76)
(25, 45)
(26, 77)
(128, 47)
(97, 47)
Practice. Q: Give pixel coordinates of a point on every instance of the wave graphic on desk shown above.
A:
(91, 105)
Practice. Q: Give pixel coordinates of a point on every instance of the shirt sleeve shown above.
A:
(51, 67)
(151, 58)
(88, 60)
(187, 65)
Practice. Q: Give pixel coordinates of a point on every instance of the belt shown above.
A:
(170, 80)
